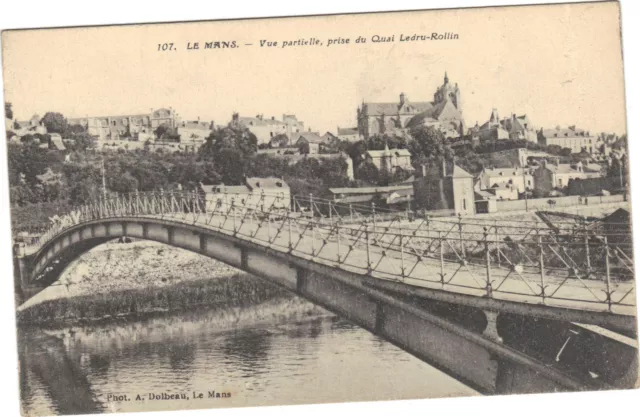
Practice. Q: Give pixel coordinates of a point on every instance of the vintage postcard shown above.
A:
(320, 209)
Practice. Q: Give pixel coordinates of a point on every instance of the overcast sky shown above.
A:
(561, 65)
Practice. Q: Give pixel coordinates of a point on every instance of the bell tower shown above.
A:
(449, 92)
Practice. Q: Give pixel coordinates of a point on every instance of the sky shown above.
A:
(559, 64)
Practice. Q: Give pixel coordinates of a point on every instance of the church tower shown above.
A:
(448, 92)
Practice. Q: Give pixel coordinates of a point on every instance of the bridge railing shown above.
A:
(580, 263)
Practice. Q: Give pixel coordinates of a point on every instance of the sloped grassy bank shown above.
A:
(138, 280)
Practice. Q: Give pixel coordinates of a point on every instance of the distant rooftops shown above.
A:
(560, 132)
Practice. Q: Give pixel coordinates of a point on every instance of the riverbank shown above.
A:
(139, 280)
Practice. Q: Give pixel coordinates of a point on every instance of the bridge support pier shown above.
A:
(301, 280)
(491, 331)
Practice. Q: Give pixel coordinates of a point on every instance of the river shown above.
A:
(307, 360)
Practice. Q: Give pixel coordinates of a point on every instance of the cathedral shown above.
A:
(444, 113)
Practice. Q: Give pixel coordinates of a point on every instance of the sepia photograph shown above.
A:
(319, 209)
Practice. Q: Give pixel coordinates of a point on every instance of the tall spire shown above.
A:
(446, 78)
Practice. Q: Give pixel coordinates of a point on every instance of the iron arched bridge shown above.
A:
(395, 273)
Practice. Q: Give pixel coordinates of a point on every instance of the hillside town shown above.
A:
(421, 156)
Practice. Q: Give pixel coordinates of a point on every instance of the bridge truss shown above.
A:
(584, 265)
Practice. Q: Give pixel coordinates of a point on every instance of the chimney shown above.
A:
(424, 170)
(402, 98)
(444, 167)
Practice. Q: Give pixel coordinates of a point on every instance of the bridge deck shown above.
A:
(344, 252)
(510, 263)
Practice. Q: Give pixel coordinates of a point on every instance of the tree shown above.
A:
(83, 182)
(121, 182)
(618, 170)
(267, 166)
(231, 164)
(8, 110)
(55, 122)
(81, 142)
(75, 128)
(430, 142)
(160, 131)
(279, 141)
(356, 151)
(304, 148)
(233, 136)
(333, 172)
(368, 172)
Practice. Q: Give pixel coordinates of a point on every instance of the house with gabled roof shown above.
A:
(390, 160)
(267, 193)
(519, 178)
(447, 191)
(572, 137)
(509, 128)
(312, 139)
(554, 175)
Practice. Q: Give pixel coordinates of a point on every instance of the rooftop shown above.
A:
(311, 137)
(370, 190)
(265, 183)
(570, 131)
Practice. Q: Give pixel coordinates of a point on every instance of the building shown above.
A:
(518, 157)
(312, 139)
(384, 195)
(28, 127)
(447, 192)
(617, 227)
(266, 129)
(509, 128)
(131, 125)
(554, 176)
(34, 125)
(263, 193)
(578, 140)
(195, 130)
(194, 133)
(349, 134)
(520, 179)
(390, 160)
(444, 113)
(503, 191)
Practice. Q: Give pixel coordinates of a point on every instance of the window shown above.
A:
(464, 203)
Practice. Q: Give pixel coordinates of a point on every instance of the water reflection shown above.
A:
(315, 360)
